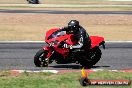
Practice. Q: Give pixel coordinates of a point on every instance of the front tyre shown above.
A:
(40, 59)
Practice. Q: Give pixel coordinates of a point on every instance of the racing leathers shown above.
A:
(81, 36)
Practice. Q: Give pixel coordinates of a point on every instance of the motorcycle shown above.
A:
(56, 50)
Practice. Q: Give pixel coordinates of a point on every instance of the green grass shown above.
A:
(9, 7)
(69, 7)
(49, 80)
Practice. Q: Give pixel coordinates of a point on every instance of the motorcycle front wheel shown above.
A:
(40, 59)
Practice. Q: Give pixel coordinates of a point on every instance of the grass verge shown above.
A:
(111, 8)
(49, 80)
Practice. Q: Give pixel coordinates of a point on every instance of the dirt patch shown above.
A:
(9, 73)
(34, 26)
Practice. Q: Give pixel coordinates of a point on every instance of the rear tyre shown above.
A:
(92, 59)
(40, 59)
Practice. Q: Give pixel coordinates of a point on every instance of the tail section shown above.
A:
(97, 41)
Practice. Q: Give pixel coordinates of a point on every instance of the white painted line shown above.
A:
(22, 71)
(96, 70)
(22, 41)
(118, 41)
(44, 41)
(114, 70)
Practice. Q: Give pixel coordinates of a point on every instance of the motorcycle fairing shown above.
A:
(68, 38)
(97, 41)
(47, 48)
(48, 33)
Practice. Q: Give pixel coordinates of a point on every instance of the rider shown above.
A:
(79, 33)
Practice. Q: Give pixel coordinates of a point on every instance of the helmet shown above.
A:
(73, 25)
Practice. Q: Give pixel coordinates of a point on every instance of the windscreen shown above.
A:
(57, 34)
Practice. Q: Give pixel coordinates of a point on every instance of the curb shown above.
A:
(67, 71)
(96, 70)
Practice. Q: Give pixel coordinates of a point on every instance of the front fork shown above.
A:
(50, 52)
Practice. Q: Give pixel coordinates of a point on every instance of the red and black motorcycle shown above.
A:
(54, 50)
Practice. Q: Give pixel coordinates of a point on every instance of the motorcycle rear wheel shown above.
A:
(40, 59)
(94, 57)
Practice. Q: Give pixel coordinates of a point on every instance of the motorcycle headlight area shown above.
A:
(54, 42)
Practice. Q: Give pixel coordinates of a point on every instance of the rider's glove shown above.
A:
(71, 47)
(67, 46)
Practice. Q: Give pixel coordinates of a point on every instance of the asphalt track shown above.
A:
(20, 56)
(64, 12)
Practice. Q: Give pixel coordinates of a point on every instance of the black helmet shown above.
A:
(73, 25)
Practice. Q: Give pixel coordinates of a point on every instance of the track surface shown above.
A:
(20, 56)
(65, 12)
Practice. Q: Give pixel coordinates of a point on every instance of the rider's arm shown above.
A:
(64, 29)
(80, 43)
(81, 39)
